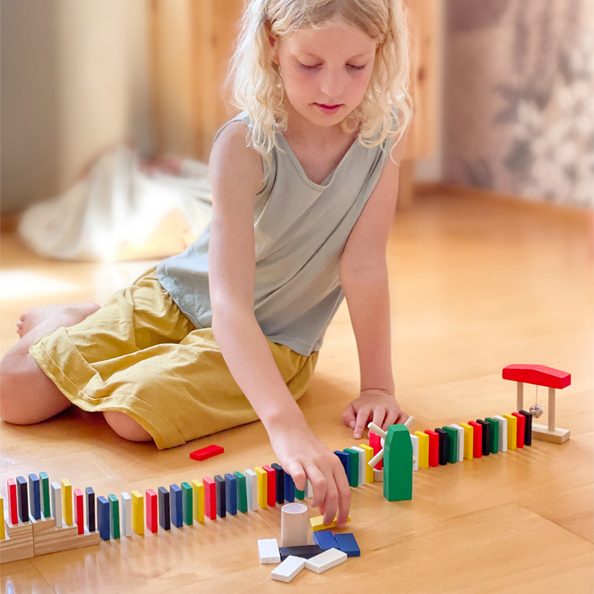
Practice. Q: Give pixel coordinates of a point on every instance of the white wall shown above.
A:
(74, 78)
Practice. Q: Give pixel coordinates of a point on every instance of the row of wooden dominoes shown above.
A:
(466, 441)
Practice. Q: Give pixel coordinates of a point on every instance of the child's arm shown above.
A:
(364, 280)
(236, 176)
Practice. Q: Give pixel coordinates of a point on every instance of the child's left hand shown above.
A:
(372, 405)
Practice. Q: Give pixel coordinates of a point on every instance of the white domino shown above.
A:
(288, 569)
(268, 550)
(460, 431)
(252, 489)
(126, 513)
(326, 560)
(502, 433)
(56, 499)
(415, 448)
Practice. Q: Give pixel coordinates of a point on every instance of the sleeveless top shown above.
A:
(301, 229)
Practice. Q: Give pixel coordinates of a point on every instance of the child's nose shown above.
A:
(332, 85)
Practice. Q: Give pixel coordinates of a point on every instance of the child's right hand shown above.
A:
(303, 455)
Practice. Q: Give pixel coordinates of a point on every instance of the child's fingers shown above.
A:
(344, 495)
(393, 417)
(348, 416)
(319, 484)
(379, 413)
(361, 422)
(297, 473)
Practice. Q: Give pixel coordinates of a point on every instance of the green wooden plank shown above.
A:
(452, 444)
(353, 466)
(188, 503)
(114, 504)
(494, 434)
(241, 492)
(47, 508)
(398, 464)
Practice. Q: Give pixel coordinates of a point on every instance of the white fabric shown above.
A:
(120, 212)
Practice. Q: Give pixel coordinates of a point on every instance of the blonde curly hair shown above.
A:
(256, 85)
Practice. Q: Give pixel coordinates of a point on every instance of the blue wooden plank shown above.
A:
(103, 517)
(177, 506)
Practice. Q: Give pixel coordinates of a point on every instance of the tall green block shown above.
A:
(114, 506)
(494, 445)
(187, 503)
(353, 466)
(398, 464)
(452, 444)
(299, 494)
(241, 492)
(45, 494)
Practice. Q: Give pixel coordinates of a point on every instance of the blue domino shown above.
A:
(177, 506)
(231, 493)
(325, 539)
(164, 508)
(34, 496)
(280, 482)
(346, 461)
(103, 517)
(289, 488)
(221, 496)
(347, 544)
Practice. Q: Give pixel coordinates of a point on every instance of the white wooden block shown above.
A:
(460, 431)
(56, 499)
(378, 475)
(288, 569)
(126, 518)
(252, 489)
(326, 560)
(415, 448)
(308, 490)
(361, 464)
(502, 433)
(268, 550)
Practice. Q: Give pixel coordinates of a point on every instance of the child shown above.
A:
(304, 184)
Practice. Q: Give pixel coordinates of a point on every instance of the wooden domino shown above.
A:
(268, 550)
(288, 569)
(326, 560)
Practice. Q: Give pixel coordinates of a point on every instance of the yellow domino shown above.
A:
(368, 456)
(317, 523)
(67, 503)
(138, 512)
(2, 527)
(262, 487)
(512, 428)
(198, 491)
(423, 449)
(468, 441)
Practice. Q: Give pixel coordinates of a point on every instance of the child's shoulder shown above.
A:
(230, 154)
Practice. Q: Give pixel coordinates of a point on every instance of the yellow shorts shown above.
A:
(140, 355)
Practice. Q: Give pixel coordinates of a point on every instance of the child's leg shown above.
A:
(27, 395)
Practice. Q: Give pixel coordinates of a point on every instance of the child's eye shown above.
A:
(308, 67)
(314, 66)
(352, 67)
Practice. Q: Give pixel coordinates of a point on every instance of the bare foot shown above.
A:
(76, 312)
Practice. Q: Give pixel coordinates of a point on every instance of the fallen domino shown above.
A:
(288, 569)
(326, 560)
(268, 550)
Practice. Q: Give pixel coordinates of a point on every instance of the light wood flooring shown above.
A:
(477, 284)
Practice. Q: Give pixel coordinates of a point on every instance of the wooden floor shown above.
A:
(476, 284)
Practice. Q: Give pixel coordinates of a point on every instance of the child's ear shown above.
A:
(273, 45)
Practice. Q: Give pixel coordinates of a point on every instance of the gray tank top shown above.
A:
(301, 228)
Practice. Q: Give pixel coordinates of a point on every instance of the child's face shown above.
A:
(325, 67)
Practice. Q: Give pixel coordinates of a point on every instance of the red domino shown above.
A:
(210, 497)
(80, 514)
(375, 442)
(521, 428)
(12, 501)
(433, 447)
(207, 452)
(477, 439)
(152, 521)
(271, 480)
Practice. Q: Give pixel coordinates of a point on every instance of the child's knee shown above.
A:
(126, 426)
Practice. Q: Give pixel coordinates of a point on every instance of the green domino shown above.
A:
(494, 434)
(241, 492)
(398, 464)
(353, 466)
(114, 504)
(47, 510)
(187, 504)
(452, 444)
(299, 494)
